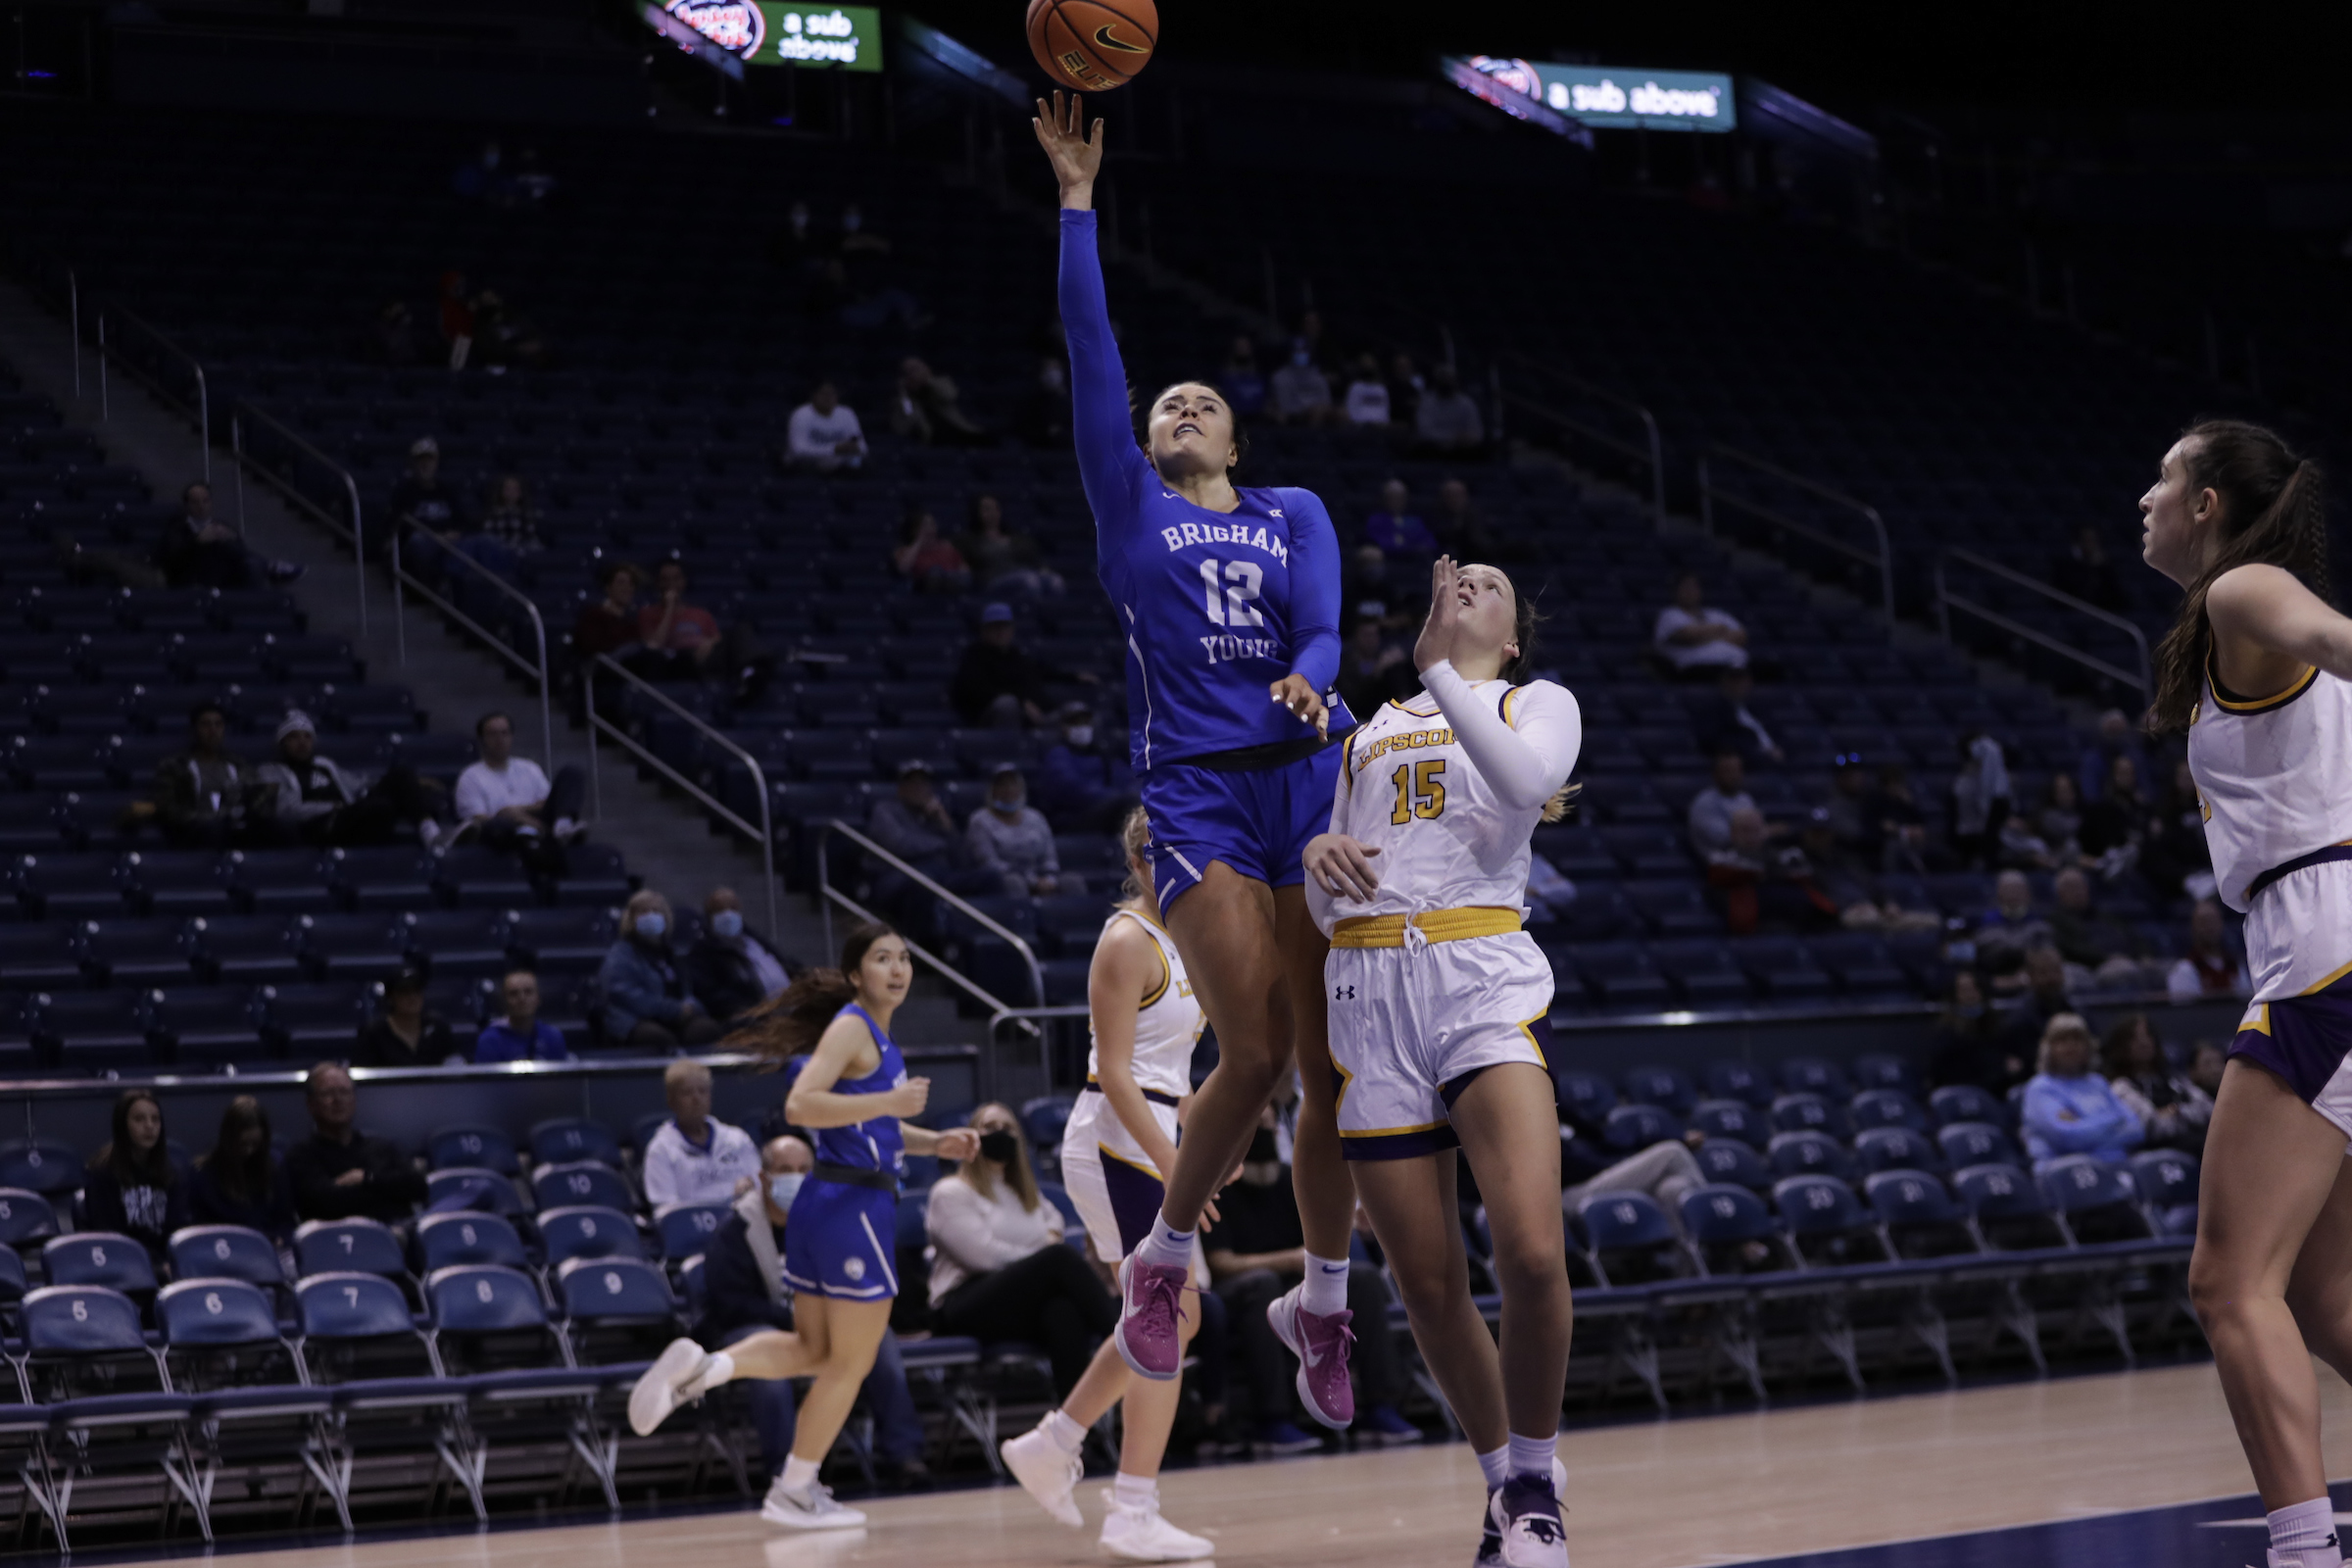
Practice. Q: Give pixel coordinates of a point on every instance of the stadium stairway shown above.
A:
(672, 847)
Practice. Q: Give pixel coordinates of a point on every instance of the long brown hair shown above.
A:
(2272, 512)
(983, 1181)
(790, 1023)
(123, 1158)
(1520, 668)
(239, 1176)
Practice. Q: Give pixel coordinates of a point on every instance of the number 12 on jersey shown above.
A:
(1420, 791)
(1231, 603)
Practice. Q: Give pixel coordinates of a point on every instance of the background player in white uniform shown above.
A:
(2256, 670)
(1438, 1006)
(1120, 1138)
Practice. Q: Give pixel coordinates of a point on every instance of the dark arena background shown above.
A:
(632, 445)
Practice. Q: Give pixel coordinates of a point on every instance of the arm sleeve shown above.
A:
(1315, 590)
(1524, 765)
(1109, 461)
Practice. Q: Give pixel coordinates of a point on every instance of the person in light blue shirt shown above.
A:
(522, 1035)
(2070, 1109)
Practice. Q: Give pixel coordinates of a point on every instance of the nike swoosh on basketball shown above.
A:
(1102, 36)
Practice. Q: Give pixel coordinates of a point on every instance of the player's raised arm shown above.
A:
(1109, 463)
(1314, 608)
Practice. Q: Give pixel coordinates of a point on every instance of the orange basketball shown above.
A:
(1092, 46)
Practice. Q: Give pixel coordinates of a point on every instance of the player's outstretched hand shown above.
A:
(1303, 701)
(1342, 867)
(1076, 155)
(1435, 645)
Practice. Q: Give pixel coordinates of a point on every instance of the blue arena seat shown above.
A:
(1878, 1148)
(40, 1166)
(1730, 1161)
(587, 1231)
(349, 1246)
(1801, 1110)
(1637, 1126)
(1738, 1080)
(24, 1216)
(1915, 1214)
(215, 1311)
(1955, 1103)
(686, 1229)
(1727, 1218)
(483, 1298)
(564, 1138)
(1808, 1152)
(1729, 1118)
(2168, 1180)
(1821, 1214)
(1887, 1108)
(1667, 1088)
(1977, 1143)
(225, 1252)
(600, 1289)
(464, 1237)
(582, 1181)
(475, 1187)
(98, 1257)
(473, 1145)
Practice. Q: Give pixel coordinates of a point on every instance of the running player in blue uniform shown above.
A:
(854, 1094)
(1229, 598)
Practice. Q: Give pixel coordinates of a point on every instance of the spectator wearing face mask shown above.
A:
(1241, 379)
(1081, 787)
(1301, 393)
(694, 1158)
(648, 1003)
(743, 1285)
(732, 969)
(1366, 403)
(1013, 839)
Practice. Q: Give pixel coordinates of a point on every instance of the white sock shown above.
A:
(720, 1368)
(799, 1475)
(1166, 1246)
(1495, 1466)
(1062, 1432)
(1140, 1493)
(2304, 1535)
(1326, 1290)
(1533, 1457)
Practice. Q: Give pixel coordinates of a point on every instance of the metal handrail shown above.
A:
(1654, 456)
(497, 644)
(763, 835)
(1029, 1016)
(139, 323)
(833, 895)
(242, 410)
(1707, 494)
(1946, 602)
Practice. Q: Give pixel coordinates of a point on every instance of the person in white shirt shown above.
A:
(1712, 808)
(695, 1158)
(1367, 396)
(509, 801)
(823, 434)
(1691, 637)
(998, 1270)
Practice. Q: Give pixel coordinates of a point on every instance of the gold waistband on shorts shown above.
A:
(1438, 925)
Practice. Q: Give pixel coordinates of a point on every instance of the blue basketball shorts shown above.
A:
(1257, 822)
(838, 1241)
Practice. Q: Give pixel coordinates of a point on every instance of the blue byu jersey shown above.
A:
(876, 1144)
(1217, 607)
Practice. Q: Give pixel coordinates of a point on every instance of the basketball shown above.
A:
(1091, 45)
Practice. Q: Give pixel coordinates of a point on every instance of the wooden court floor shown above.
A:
(1688, 1493)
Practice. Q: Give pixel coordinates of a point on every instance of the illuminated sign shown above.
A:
(1613, 97)
(759, 32)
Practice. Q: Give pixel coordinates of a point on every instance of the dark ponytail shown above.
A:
(790, 1023)
(2272, 512)
(1520, 668)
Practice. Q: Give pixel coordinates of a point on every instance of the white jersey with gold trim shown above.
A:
(2274, 776)
(1168, 1021)
(1446, 840)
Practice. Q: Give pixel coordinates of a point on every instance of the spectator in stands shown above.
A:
(1844, 878)
(1448, 422)
(2117, 737)
(420, 500)
(2009, 930)
(2059, 823)
(1754, 882)
(1241, 379)
(320, 804)
(2211, 968)
(208, 799)
(648, 1003)
(1082, 786)
(1968, 1044)
(339, 1172)
(998, 1270)
(131, 1187)
(1257, 1252)
(1301, 393)
(511, 804)
(197, 550)
(241, 1180)
(1722, 721)
(1463, 530)
(610, 626)
(1404, 540)
(2086, 571)
(823, 434)
(519, 1034)
(683, 641)
(2023, 848)
(929, 563)
(1045, 420)
(732, 969)
(1667, 1170)
(1980, 798)
(2069, 1108)
(743, 1288)
(925, 409)
(1365, 403)
(1374, 669)
(403, 1033)
(1366, 580)
(1004, 563)
(2102, 947)
(2205, 1063)
(2045, 997)
(1849, 807)
(1710, 815)
(394, 337)
(2174, 857)
(1406, 386)
(2166, 1099)
(502, 337)
(2116, 823)
(914, 825)
(1694, 640)
(510, 529)
(997, 683)
(694, 1158)
(1013, 839)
